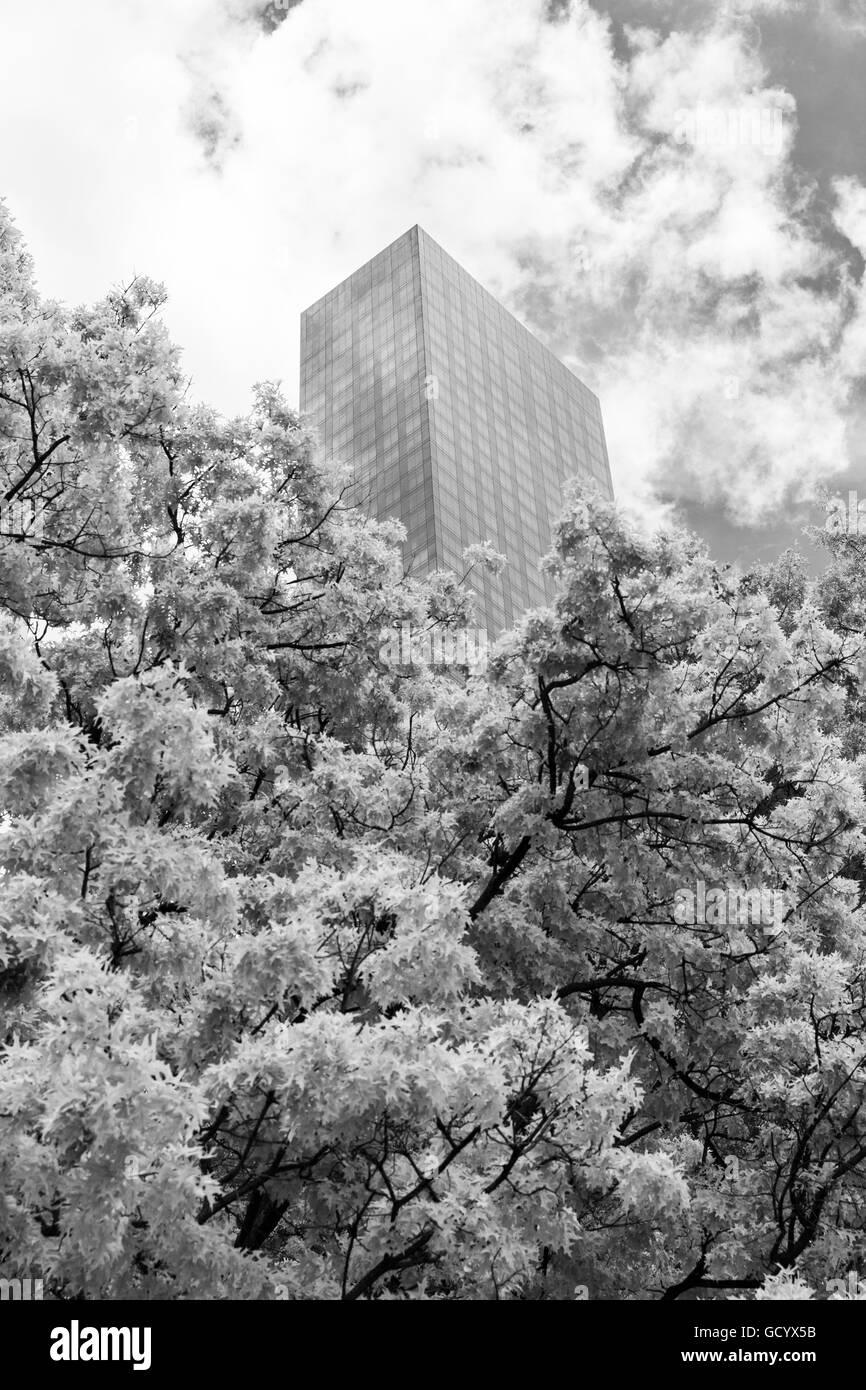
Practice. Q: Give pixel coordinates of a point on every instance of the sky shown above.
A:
(671, 195)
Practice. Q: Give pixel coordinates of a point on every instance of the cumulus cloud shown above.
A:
(227, 27)
(213, 124)
(630, 190)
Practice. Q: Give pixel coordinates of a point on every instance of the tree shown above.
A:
(326, 978)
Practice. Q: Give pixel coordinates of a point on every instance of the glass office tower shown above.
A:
(456, 419)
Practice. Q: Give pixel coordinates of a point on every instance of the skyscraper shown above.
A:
(457, 420)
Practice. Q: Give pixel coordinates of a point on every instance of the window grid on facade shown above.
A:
(456, 420)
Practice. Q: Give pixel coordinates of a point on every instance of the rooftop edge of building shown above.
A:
(420, 232)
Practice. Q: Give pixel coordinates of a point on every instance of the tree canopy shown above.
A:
(327, 978)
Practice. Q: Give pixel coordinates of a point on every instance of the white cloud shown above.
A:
(679, 266)
(850, 218)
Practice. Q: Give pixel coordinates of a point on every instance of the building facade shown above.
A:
(457, 420)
